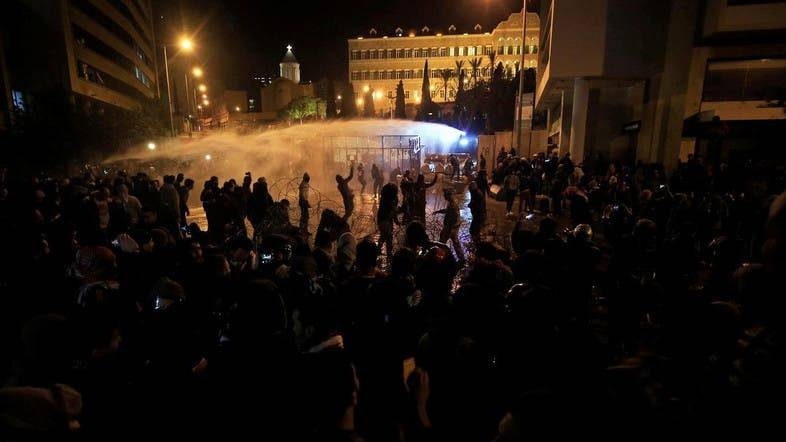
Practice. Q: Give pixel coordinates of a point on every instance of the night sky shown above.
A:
(239, 37)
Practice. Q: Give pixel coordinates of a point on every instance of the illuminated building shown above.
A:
(378, 61)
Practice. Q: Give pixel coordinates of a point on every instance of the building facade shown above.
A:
(105, 49)
(378, 62)
(646, 81)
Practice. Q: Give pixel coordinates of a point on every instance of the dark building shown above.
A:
(100, 52)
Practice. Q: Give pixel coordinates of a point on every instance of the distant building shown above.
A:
(643, 80)
(377, 62)
(261, 80)
(284, 89)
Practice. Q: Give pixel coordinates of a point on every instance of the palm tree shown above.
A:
(475, 64)
(492, 62)
(445, 75)
(459, 67)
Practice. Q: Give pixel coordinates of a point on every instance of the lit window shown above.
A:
(443, 52)
(355, 55)
(471, 50)
(408, 53)
(406, 95)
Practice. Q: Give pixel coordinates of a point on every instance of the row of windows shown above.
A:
(458, 51)
(87, 40)
(418, 73)
(123, 9)
(110, 25)
(97, 76)
(436, 93)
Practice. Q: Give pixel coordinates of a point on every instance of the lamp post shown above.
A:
(186, 45)
(520, 110)
(197, 73)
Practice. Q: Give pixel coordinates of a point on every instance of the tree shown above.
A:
(446, 75)
(492, 61)
(330, 100)
(400, 105)
(460, 105)
(300, 108)
(348, 108)
(475, 64)
(459, 67)
(427, 107)
(425, 88)
(368, 104)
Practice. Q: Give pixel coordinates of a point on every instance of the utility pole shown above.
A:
(520, 108)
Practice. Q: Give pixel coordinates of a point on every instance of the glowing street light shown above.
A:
(151, 145)
(202, 88)
(197, 72)
(206, 103)
(186, 44)
(199, 106)
(237, 108)
(338, 97)
(208, 157)
(360, 102)
(365, 88)
(204, 96)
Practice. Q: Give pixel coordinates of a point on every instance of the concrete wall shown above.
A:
(720, 17)
(578, 40)
(634, 36)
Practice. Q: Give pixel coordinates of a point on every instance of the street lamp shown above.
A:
(187, 45)
(202, 88)
(196, 72)
(151, 145)
(520, 107)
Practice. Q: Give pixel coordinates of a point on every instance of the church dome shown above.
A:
(289, 57)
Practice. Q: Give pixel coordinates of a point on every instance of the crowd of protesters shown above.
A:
(121, 320)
